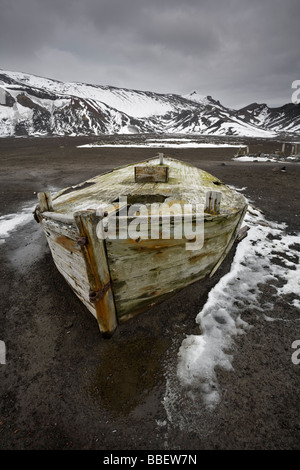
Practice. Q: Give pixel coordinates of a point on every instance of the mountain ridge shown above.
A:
(37, 106)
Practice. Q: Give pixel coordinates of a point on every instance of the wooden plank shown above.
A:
(242, 233)
(70, 263)
(64, 218)
(69, 230)
(94, 254)
(148, 174)
(118, 250)
(213, 201)
(148, 270)
(45, 201)
(161, 280)
(157, 287)
(143, 264)
(231, 242)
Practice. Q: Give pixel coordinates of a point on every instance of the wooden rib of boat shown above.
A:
(118, 277)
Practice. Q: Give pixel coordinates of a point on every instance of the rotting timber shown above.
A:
(116, 278)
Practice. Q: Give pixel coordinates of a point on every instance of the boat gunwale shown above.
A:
(63, 213)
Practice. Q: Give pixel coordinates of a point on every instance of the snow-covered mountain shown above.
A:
(283, 119)
(36, 106)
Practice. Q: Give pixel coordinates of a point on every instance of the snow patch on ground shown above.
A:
(267, 255)
(266, 158)
(247, 158)
(164, 143)
(11, 222)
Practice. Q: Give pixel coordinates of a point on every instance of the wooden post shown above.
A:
(45, 201)
(283, 148)
(161, 158)
(94, 253)
(213, 201)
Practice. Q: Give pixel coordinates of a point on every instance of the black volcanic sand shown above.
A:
(65, 387)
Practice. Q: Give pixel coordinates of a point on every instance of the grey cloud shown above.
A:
(236, 50)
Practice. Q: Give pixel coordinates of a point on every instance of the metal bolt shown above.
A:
(82, 241)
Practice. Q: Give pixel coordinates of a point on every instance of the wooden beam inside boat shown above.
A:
(151, 174)
(213, 201)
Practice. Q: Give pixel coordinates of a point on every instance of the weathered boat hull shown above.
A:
(148, 271)
(118, 278)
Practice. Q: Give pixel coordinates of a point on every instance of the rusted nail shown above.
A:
(93, 296)
(82, 241)
(97, 295)
(105, 214)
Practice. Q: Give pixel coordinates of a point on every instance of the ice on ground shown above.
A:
(164, 143)
(248, 158)
(11, 222)
(266, 158)
(267, 255)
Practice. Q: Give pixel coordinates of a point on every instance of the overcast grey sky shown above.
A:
(238, 51)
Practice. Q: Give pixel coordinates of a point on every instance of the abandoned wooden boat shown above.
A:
(117, 276)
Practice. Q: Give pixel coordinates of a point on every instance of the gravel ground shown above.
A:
(65, 387)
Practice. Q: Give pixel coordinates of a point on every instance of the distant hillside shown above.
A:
(36, 106)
